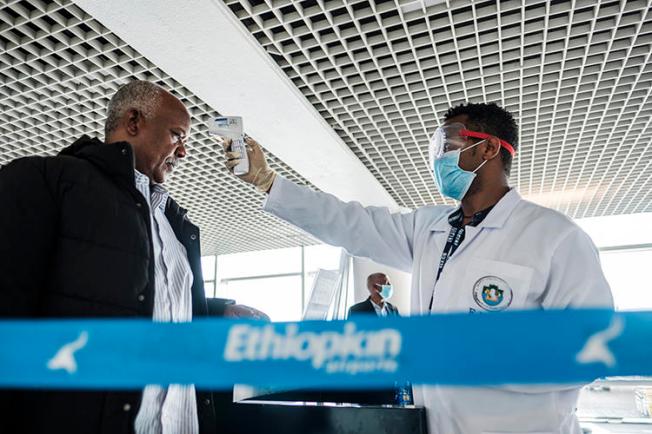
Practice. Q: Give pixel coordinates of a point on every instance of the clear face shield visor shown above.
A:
(446, 138)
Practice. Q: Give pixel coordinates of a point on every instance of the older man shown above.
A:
(92, 232)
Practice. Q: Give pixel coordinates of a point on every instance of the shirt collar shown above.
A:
(495, 217)
(141, 179)
(456, 219)
(158, 195)
(377, 305)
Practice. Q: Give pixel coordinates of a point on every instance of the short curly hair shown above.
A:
(492, 119)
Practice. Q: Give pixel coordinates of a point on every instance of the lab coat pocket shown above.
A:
(494, 286)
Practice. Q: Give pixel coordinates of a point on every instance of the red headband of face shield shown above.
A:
(504, 144)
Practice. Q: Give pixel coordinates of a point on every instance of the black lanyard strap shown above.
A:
(455, 238)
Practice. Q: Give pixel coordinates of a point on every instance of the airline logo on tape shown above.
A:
(350, 352)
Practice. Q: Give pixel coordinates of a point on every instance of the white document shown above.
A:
(323, 291)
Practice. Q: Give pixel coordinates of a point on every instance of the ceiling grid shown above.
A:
(575, 74)
(619, 145)
(592, 101)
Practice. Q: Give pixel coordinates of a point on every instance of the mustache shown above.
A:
(173, 161)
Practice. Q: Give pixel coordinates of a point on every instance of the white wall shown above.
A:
(401, 281)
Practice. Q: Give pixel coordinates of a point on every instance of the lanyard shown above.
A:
(455, 238)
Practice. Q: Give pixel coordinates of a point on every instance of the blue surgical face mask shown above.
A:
(386, 291)
(453, 181)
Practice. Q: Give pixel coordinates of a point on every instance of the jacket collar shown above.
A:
(496, 218)
(388, 305)
(115, 159)
(177, 216)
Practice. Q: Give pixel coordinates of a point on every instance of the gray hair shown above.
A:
(141, 95)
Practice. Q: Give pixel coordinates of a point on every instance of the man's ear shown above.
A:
(492, 148)
(134, 119)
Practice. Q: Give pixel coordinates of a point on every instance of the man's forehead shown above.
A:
(184, 119)
(177, 114)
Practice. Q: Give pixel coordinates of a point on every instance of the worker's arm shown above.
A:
(371, 232)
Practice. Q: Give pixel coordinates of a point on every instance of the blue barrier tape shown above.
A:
(456, 349)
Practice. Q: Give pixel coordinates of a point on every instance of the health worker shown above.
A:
(494, 252)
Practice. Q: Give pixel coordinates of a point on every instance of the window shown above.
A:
(266, 262)
(277, 282)
(625, 243)
(627, 272)
(208, 268)
(278, 297)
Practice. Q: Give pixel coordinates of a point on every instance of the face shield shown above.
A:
(453, 137)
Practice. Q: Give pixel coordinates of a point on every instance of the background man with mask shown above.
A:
(494, 252)
(380, 290)
(92, 232)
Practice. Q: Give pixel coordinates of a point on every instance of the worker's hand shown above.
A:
(260, 174)
(242, 311)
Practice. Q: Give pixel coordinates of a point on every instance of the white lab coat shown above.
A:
(540, 257)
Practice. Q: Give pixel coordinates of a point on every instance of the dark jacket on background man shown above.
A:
(75, 242)
(365, 307)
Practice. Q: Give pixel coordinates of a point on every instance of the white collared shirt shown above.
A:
(171, 409)
(380, 311)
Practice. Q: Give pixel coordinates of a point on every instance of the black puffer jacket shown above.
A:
(75, 242)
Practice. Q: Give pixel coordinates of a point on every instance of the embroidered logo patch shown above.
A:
(492, 293)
